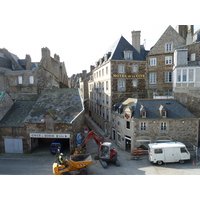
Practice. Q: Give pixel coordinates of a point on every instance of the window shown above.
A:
(178, 75)
(168, 60)
(143, 113)
(153, 61)
(120, 69)
(158, 151)
(163, 126)
(152, 78)
(31, 79)
(168, 77)
(184, 75)
(107, 99)
(143, 126)
(135, 69)
(164, 113)
(191, 75)
(19, 79)
(193, 57)
(169, 47)
(106, 70)
(183, 150)
(119, 138)
(128, 56)
(102, 72)
(121, 85)
(106, 85)
(135, 83)
(127, 124)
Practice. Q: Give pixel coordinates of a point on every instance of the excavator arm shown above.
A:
(90, 135)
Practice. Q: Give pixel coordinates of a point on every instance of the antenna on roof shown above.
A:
(144, 43)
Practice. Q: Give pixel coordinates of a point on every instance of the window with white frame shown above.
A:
(168, 77)
(143, 126)
(193, 57)
(168, 60)
(128, 56)
(19, 79)
(121, 69)
(119, 137)
(178, 75)
(153, 61)
(163, 126)
(152, 78)
(31, 79)
(184, 75)
(191, 75)
(135, 83)
(121, 85)
(135, 69)
(168, 47)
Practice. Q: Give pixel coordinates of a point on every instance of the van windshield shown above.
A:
(183, 150)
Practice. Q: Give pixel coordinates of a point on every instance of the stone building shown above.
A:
(186, 73)
(120, 73)
(56, 114)
(137, 122)
(160, 63)
(22, 76)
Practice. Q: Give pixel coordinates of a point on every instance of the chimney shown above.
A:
(28, 62)
(136, 40)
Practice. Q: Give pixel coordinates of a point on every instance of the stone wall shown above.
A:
(129, 76)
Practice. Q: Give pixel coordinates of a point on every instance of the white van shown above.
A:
(168, 152)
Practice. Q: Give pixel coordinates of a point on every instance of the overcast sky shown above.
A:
(81, 31)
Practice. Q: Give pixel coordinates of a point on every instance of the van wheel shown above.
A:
(160, 162)
(181, 161)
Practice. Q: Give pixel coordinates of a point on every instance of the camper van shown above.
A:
(168, 152)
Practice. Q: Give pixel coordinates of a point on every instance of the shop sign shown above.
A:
(48, 135)
(128, 76)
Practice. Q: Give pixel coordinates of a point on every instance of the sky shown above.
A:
(81, 31)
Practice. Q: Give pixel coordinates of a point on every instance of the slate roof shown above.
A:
(174, 109)
(17, 114)
(63, 104)
(6, 64)
(120, 46)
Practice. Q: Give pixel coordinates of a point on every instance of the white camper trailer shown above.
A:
(168, 152)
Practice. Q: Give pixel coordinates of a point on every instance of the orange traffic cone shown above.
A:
(193, 162)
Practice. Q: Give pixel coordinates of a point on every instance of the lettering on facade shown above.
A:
(128, 76)
(46, 135)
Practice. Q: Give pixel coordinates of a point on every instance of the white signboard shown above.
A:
(49, 135)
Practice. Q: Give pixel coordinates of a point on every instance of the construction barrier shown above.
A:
(137, 151)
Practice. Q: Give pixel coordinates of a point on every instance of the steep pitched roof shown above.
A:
(119, 47)
(64, 104)
(170, 35)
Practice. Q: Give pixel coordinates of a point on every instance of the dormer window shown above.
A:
(128, 55)
(163, 111)
(143, 112)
